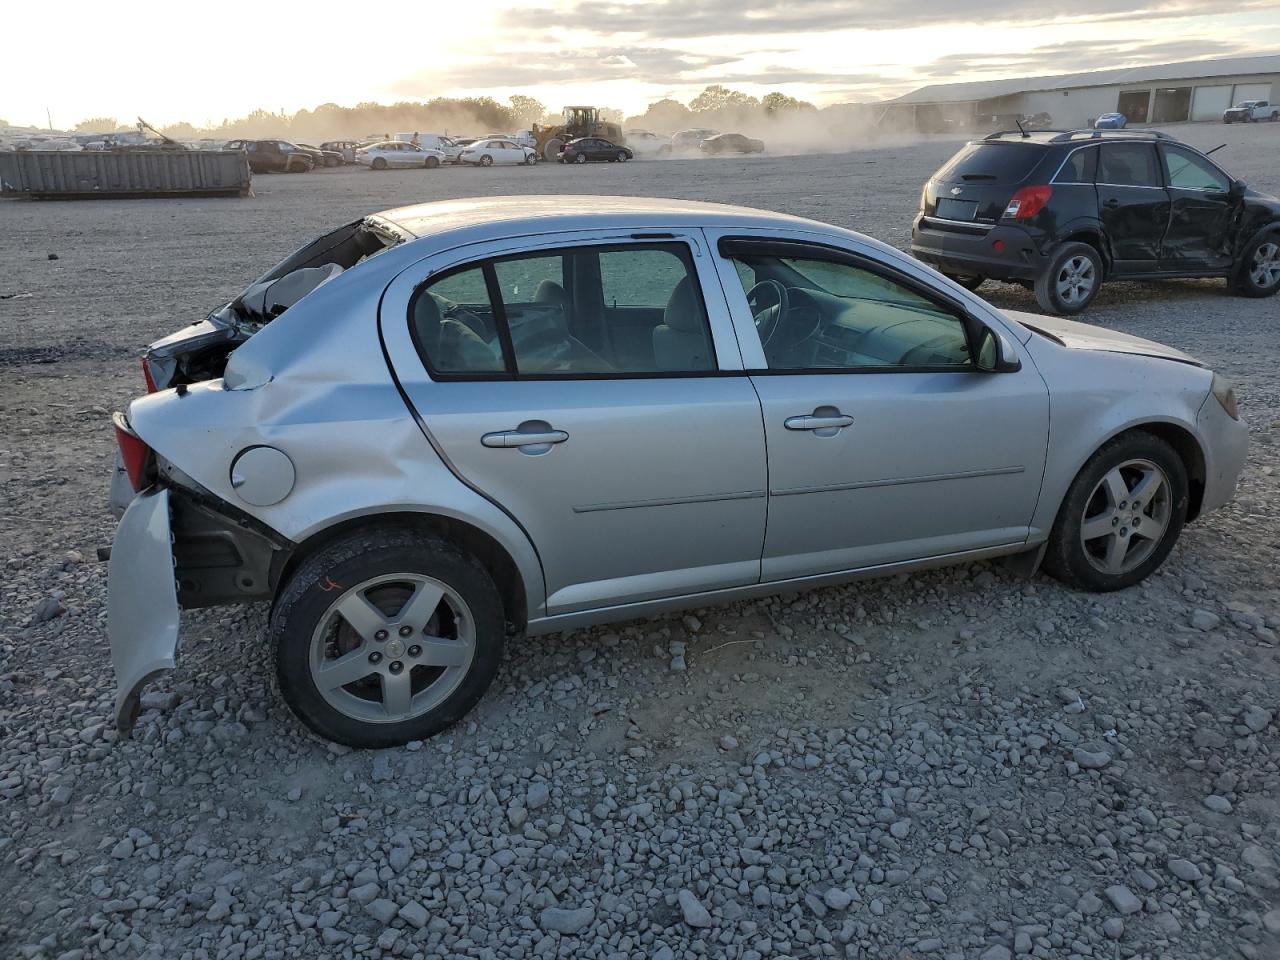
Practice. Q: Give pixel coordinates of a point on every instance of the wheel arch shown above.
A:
(495, 558)
(1094, 237)
(1185, 444)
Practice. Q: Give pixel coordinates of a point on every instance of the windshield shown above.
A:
(999, 162)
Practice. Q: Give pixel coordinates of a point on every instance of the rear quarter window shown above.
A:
(1001, 162)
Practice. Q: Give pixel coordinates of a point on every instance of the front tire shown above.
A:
(580, 158)
(1258, 274)
(379, 163)
(1071, 281)
(1121, 516)
(622, 156)
(432, 162)
(486, 161)
(386, 636)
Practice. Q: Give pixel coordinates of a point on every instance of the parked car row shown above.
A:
(1062, 212)
(476, 378)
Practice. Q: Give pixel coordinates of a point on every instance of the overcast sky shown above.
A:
(204, 62)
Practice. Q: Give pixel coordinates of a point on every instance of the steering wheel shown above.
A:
(769, 319)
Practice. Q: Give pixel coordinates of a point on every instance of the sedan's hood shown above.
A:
(1085, 336)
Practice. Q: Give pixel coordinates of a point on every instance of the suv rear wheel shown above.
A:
(969, 282)
(1259, 272)
(386, 636)
(1071, 280)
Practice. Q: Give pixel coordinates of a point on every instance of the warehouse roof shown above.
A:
(989, 89)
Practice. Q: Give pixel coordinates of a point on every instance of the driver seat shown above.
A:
(680, 341)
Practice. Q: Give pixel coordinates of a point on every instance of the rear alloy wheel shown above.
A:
(966, 281)
(386, 637)
(1121, 516)
(1071, 280)
(580, 158)
(432, 162)
(486, 161)
(1259, 272)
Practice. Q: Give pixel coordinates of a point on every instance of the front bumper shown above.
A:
(142, 601)
(1227, 443)
(968, 249)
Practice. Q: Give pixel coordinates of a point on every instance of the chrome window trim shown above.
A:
(982, 225)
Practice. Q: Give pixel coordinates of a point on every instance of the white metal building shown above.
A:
(1167, 93)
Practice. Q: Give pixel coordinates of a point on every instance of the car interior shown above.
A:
(819, 314)
(593, 310)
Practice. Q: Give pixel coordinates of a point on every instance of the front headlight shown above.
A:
(1226, 395)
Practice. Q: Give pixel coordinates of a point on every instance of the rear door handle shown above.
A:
(518, 438)
(814, 422)
(1111, 204)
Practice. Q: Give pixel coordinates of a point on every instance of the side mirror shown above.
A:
(995, 353)
(1238, 187)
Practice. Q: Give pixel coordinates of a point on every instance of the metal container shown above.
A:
(116, 174)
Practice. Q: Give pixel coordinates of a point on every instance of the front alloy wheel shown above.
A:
(1121, 516)
(1259, 272)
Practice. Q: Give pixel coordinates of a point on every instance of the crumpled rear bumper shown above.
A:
(142, 601)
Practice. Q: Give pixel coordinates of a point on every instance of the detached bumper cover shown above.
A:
(142, 601)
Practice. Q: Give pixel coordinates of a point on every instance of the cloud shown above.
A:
(682, 20)
(529, 66)
(1077, 57)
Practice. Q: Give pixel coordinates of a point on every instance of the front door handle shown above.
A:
(524, 438)
(814, 421)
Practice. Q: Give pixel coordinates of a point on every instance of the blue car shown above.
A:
(1111, 121)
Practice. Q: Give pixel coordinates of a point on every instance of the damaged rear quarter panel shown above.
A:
(314, 384)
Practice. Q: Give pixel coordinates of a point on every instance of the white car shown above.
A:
(1251, 111)
(453, 147)
(689, 139)
(393, 153)
(645, 143)
(485, 153)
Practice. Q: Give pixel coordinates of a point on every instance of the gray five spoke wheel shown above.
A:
(1075, 280)
(1126, 516)
(1265, 268)
(392, 648)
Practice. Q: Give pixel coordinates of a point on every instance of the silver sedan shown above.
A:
(447, 425)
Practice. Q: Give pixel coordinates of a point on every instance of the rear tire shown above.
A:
(968, 282)
(1258, 274)
(580, 158)
(431, 163)
(486, 161)
(1071, 280)
(1100, 500)
(400, 688)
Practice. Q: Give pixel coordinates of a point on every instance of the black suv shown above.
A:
(1060, 212)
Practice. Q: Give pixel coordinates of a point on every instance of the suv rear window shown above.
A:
(991, 163)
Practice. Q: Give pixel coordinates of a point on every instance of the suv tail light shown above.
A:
(1027, 202)
(136, 455)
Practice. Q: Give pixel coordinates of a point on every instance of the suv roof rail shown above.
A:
(1063, 136)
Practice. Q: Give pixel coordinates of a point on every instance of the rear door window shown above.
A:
(574, 312)
(1128, 165)
(992, 163)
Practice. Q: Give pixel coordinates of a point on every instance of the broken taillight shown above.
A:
(1028, 201)
(134, 453)
(146, 375)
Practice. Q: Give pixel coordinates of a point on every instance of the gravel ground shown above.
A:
(959, 764)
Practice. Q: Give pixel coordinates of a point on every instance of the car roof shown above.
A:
(580, 213)
(1045, 138)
